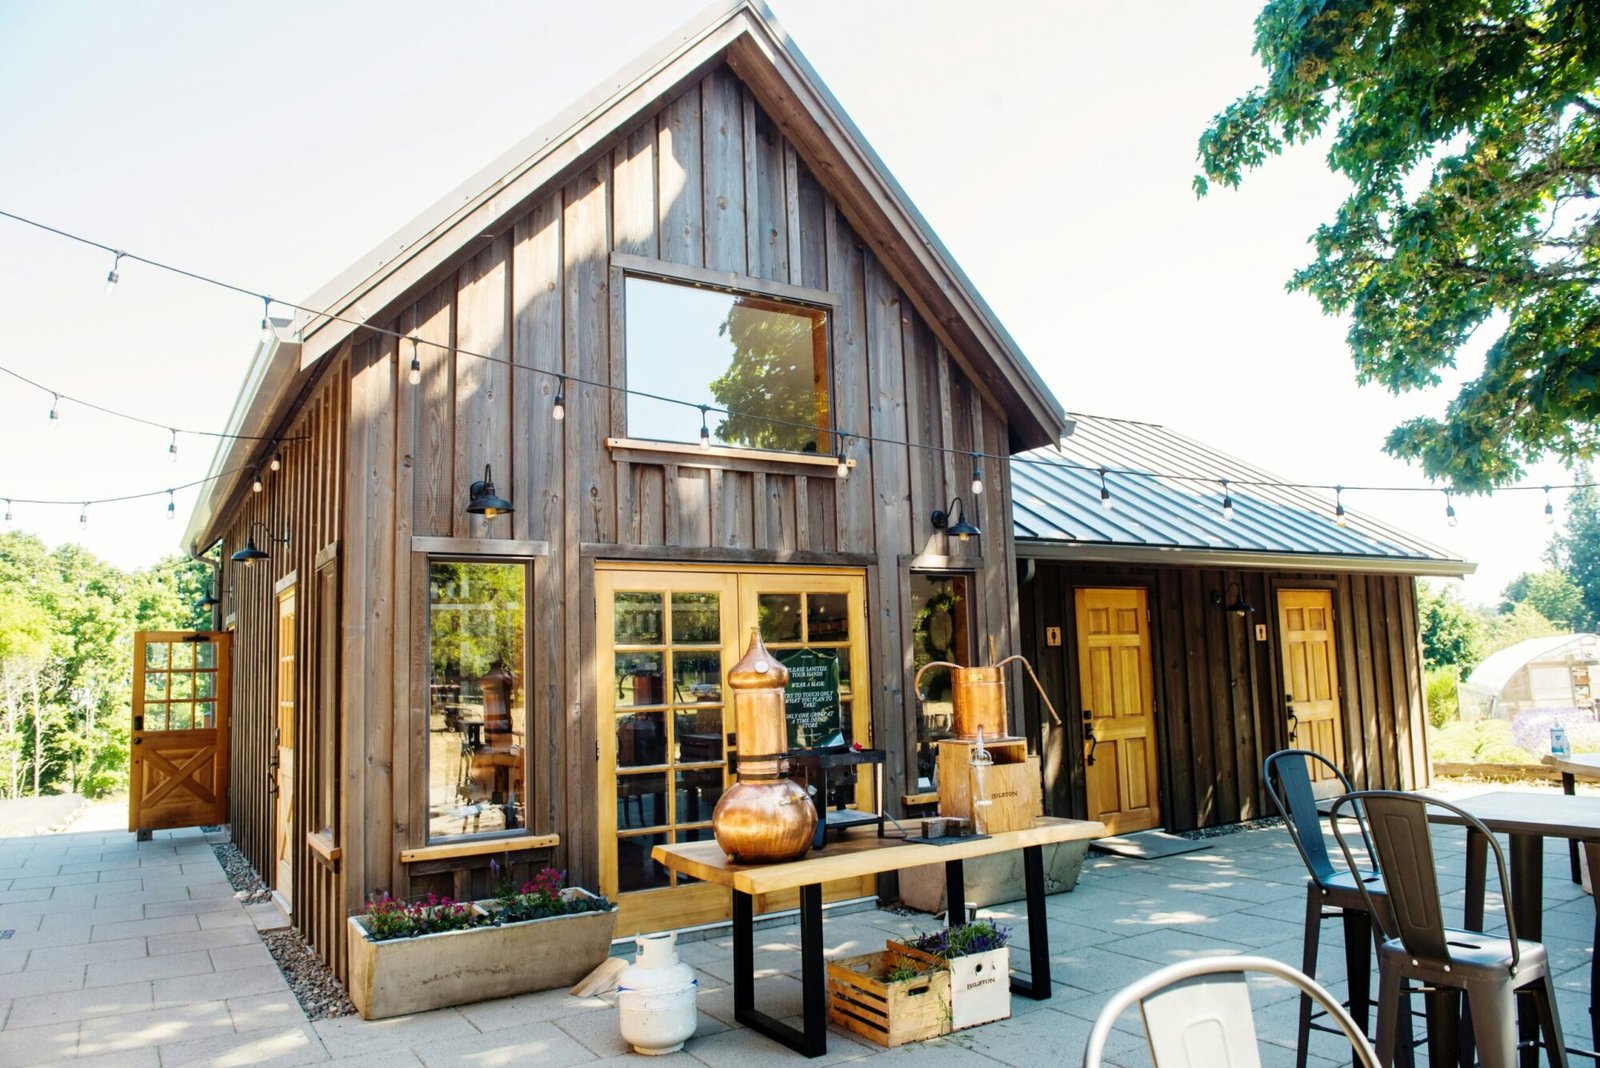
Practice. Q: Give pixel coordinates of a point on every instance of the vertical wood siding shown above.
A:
(1219, 692)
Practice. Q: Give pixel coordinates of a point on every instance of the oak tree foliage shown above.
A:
(1470, 133)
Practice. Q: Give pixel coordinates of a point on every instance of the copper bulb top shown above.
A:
(757, 669)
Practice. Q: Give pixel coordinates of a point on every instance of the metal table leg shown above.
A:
(1527, 901)
(812, 1040)
(955, 893)
(1037, 984)
(1569, 787)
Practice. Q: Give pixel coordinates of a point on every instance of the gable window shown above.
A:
(763, 359)
(477, 697)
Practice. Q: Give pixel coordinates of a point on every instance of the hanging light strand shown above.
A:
(1227, 502)
(1105, 491)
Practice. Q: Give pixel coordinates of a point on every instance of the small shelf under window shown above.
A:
(640, 450)
(478, 846)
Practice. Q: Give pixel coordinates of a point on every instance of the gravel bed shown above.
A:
(319, 993)
(1229, 828)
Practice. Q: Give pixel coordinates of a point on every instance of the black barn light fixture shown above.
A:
(960, 527)
(250, 554)
(484, 501)
(1238, 605)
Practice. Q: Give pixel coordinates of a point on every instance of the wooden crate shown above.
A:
(890, 1014)
(1011, 784)
(980, 983)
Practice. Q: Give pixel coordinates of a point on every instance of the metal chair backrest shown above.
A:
(1404, 853)
(1197, 1014)
(1288, 782)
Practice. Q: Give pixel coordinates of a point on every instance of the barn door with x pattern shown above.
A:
(178, 768)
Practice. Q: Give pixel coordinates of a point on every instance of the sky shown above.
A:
(1050, 145)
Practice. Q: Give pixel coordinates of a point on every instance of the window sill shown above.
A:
(478, 846)
(321, 844)
(639, 450)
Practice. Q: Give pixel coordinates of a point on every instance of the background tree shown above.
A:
(1549, 592)
(1452, 633)
(1576, 551)
(1470, 132)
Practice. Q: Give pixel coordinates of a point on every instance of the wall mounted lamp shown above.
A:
(960, 527)
(482, 499)
(1238, 605)
(250, 554)
(210, 600)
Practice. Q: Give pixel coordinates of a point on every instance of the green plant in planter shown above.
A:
(388, 918)
(976, 936)
(539, 897)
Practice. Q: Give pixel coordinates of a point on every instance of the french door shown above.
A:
(178, 767)
(666, 639)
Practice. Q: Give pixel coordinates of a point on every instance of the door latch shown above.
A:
(1088, 736)
(1294, 720)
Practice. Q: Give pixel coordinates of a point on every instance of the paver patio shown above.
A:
(127, 953)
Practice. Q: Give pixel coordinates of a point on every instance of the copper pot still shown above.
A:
(978, 697)
(765, 817)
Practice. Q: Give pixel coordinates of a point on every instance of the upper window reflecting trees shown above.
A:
(763, 359)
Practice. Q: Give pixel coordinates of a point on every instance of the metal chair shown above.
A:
(1197, 1014)
(1331, 893)
(1489, 970)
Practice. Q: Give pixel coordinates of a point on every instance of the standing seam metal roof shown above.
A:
(1054, 502)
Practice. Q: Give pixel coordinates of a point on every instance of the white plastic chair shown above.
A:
(1197, 1014)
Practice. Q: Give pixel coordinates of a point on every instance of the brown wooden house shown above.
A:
(1200, 616)
(422, 686)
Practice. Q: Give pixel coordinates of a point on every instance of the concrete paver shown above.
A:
(127, 953)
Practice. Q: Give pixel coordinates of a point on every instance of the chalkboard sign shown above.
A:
(811, 700)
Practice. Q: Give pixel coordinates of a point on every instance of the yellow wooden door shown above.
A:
(1310, 675)
(283, 880)
(178, 766)
(665, 642)
(1114, 681)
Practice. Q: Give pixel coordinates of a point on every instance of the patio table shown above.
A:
(1572, 767)
(860, 853)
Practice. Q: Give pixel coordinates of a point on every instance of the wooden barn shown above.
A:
(522, 500)
(1195, 615)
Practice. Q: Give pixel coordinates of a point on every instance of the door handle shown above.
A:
(1088, 736)
(1294, 720)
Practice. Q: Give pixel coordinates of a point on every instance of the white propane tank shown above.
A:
(656, 997)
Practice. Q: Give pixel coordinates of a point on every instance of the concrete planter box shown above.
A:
(405, 975)
(993, 879)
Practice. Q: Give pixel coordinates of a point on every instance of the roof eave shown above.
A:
(1178, 556)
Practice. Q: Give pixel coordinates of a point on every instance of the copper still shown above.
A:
(978, 697)
(764, 817)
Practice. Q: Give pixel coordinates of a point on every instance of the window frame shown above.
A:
(625, 266)
(476, 551)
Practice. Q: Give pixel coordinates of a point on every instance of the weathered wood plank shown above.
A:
(679, 201)
(722, 130)
(483, 386)
(767, 230)
(634, 212)
(851, 394)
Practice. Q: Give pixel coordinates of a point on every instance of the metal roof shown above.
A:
(1056, 508)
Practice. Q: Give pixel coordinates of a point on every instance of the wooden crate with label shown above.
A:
(1006, 795)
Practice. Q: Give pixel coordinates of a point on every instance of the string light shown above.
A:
(1105, 491)
(1449, 509)
(83, 516)
(277, 462)
(977, 473)
(1549, 509)
(8, 509)
(267, 333)
(55, 410)
(172, 449)
(558, 410)
(56, 397)
(843, 458)
(1339, 518)
(255, 481)
(172, 506)
(415, 376)
(705, 431)
(1227, 502)
(114, 277)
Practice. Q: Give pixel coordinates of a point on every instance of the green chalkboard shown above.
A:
(811, 700)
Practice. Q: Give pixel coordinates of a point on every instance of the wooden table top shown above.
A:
(1552, 815)
(1584, 764)
(860, 852)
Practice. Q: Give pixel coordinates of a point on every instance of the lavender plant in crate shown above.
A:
(977, 936)
(1531, 729)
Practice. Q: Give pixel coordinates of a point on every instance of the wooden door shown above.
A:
(178, 765)
(283, 874)
(666, 640)
(1114, 681)
(1310, 676)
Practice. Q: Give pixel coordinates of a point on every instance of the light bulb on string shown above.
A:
(277, 462)
(8, 509)
(83, 516)
(114, 277)
(1105, 492)
(255, 482)
(1449, 509)
(705, 431)
(172, 448)
(1549, 508)
(55, 410)
(558, 410)
(843, 470)
(172, 506)
(1339, 519)
(1227, 502)
(266, 321)
(977, 473)
(415, 375)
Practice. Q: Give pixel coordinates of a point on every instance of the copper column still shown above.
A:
(978, 697)
(764, 817)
